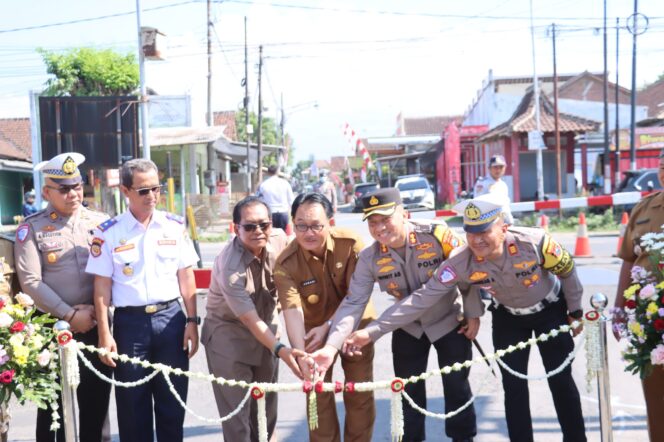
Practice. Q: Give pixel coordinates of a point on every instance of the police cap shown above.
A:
(381, 202)
(63, 168)
(480, 213)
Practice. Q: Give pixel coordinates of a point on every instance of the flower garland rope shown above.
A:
(593, 348)
(306, 386)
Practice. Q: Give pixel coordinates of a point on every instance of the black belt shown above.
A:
(149, 309)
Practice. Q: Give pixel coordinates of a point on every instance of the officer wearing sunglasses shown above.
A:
(51, 251)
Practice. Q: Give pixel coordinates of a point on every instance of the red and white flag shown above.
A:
(358, 148)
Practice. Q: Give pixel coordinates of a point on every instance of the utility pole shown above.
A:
(282, 119)
(246, 108)
(617, 131)
(211, 182)
(144, 95)
(632, 125)
(607, 152)
(540, 172)
(259, 177)
(556, 117)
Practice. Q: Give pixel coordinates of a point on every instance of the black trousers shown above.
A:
(92, 394)
(511, 329)
(280, 220)
(410, 356)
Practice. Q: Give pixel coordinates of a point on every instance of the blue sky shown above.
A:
(362, 61)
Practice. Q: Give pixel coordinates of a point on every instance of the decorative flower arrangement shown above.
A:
(642, 320)
(28, 354)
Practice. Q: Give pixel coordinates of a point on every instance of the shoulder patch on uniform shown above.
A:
(22, 232)
(174, 217)
(95, 247)
(447, 274)
(557, 260)
(107, 224)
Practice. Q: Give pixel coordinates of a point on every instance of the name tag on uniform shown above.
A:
(51, 246)
(308, 282)
(167, 242)
(124, 248)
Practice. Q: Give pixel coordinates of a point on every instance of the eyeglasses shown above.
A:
(145, 190)
(64, 190)
(252, 227)
(314, 227)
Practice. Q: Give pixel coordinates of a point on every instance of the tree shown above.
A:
(270, 133)
(90, 72)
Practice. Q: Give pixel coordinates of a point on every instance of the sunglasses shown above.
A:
(145, 190)
(64, 190)
(252, 227)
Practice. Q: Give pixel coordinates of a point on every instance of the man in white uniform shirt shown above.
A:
(494, 184)
(278, 194)
(142, 261)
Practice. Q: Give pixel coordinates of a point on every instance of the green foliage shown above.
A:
(270, 132)
(570, 223)
(90, 72)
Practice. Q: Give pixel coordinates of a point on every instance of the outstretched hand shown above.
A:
(354, 343)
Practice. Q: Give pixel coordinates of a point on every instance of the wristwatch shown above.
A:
(576, 314)
(195, 319)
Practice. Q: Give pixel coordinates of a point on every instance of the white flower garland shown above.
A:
(262, 418)
(593, 350)
(568, 360)
(207, 419)
(319, 386)
(71, 364)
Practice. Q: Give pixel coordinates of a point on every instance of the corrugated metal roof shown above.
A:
(173, 136)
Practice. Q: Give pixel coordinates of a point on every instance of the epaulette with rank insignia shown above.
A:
(107, 224)
(173, 217)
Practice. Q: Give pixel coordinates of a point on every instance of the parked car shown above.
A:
(359, 190)
(416, 192)
(638, 181)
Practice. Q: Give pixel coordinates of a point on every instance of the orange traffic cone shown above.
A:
(231, 228)
(544, 222)
(582, 249)
(623, 226)
(332, 222)
(289, 229)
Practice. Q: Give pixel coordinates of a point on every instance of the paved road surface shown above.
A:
(597, 274)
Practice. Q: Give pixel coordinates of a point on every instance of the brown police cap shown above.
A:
(381, 202)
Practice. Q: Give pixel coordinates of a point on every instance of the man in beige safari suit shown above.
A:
(240, 332)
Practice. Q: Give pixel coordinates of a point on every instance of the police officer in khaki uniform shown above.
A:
(312, 277)
(647, 217)
(535, 289)
(240, 332)
(51, 252)
(8, 283)
(404, 257)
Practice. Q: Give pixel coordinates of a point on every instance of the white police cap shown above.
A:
(481, 212)
(63, 168)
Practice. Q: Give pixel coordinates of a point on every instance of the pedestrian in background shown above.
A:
(51, 251)
(494, 184)
(402, 258)
(312, 276)
(278, 195)
(29, 206)
(142, 261)
(241, 328)
(535, 289)
(646, 217)
(328, 189)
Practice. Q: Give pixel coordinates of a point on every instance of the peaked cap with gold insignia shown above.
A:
(63, 168)
(381, 202)
(480, 213)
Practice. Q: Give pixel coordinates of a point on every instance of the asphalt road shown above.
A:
(599, 273)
